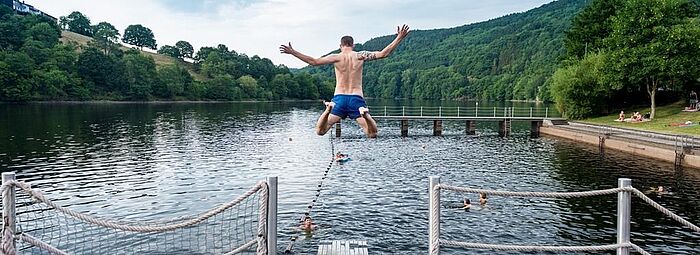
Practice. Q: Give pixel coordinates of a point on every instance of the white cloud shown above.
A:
(259, 27)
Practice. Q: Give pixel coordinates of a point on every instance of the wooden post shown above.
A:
(404, 128)
(437, 127)
(535, 129)
(502, 128)
(471, 127)
(337, 130)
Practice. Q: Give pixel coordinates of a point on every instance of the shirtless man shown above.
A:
(349, 99)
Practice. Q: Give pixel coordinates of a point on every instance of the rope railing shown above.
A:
(545, 248)
(463, 112)
(624, 246)
(265, 234)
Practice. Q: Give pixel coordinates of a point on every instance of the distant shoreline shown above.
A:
(161, 102)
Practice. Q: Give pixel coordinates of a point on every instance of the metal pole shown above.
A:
(494, 112)
(403, 111)
(272, 215)
(476, 112)
(457, 111)
(440, 111)
(421, 111)
(8, 212)
(546, 113)
(624, 207)
(385, 114)
(530, 112)
(434, 216)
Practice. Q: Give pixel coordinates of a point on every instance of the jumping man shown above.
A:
(349, 99)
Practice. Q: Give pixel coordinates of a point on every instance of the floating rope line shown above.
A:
(309, 208)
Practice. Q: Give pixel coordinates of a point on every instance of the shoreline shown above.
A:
(645, 146)
(162, 102)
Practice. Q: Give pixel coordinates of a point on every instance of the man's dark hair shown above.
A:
(347, 41)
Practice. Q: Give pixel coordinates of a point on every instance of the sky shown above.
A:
(259, 27)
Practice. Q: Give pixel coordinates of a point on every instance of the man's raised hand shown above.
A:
(402, 31)
(286, 49)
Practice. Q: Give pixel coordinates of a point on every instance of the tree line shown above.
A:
(511, 57)
(35, 65)
(626, 52)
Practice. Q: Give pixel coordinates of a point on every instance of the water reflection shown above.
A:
(149, 161)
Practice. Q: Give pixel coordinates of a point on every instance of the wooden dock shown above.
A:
(343, 247)
(505, 116)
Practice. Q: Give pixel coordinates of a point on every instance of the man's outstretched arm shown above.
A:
(402, 32)
(330, 59)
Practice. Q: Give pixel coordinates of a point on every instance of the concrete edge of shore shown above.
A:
(638, 147)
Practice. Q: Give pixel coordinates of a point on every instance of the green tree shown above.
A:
(590, 27)
(170, 51)
(78, 23)
(45, 34)
(141, 75)
(106, 36)
(174, 80)
(185, 48)
(139, 36)
(579, 89)
(654, 44)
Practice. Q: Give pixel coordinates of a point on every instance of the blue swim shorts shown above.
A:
(347, 106)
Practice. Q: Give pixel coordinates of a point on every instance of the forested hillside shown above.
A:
(40, 60)
(512, 57)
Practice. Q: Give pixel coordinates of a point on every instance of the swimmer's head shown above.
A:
(482, 195)
(347, 41)
(467, 201)
(661, 189)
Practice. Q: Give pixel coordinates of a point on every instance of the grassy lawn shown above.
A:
(161, 60)
(665, 116)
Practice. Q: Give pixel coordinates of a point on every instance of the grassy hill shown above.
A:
(511, 57)
(161, 60)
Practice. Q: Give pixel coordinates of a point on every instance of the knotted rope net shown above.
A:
(45, 227)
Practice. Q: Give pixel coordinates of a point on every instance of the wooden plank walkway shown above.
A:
(343, 247)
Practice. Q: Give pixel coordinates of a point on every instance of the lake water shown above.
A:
(154, 161)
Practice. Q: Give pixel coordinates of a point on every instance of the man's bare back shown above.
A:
(349, 96)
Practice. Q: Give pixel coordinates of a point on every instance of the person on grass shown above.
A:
(348, 101)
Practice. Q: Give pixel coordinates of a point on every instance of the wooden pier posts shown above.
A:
(535, 129)
(404, 128)
(471, 127)
(337, 129)
(505, 127)
(437, 127)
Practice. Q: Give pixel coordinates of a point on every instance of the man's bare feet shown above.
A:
(329, 105)
(363, 110)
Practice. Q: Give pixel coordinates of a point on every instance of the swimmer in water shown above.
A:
(483, 199)
(307, 225)
(467, 204)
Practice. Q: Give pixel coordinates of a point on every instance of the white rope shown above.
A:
(666, 211)
(38, 243)
(132, 228)
(262, 220)
(243, 248)
(639, 249)
(531, 248)
(8, 233)
(535, 194)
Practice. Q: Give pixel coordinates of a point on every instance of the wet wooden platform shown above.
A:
(342, 247)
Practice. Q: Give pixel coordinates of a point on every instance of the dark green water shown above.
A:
(153, 161)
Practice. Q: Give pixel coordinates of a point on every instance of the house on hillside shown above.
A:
(25, 9)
